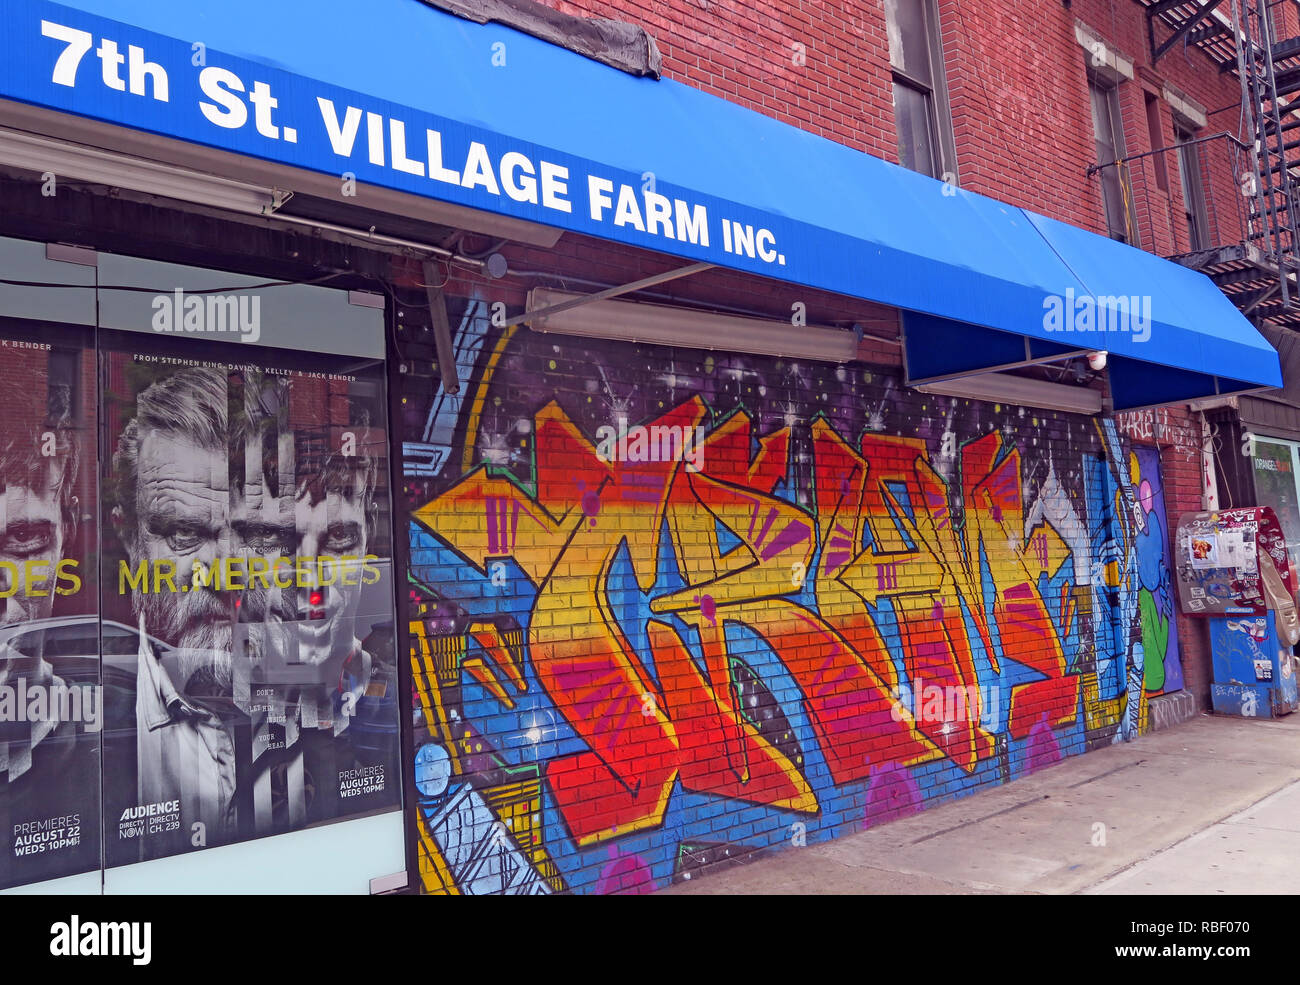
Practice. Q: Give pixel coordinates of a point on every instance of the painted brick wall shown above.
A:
(1176, 435)
(832, 602)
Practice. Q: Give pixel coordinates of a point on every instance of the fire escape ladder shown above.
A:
(1272, 217)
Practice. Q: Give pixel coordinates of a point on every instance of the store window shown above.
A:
(212, 613)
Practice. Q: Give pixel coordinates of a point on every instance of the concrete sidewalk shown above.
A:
(1209, 806)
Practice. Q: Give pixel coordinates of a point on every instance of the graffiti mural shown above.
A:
(1162, 668)
(670, 609)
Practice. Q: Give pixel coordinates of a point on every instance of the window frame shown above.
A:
(1107, 87)
(934, 92)
(1194, 205)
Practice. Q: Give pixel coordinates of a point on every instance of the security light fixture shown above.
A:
(632, 321)
(1006, 389)
(67, 160)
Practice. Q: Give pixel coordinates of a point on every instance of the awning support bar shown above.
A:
(1029, 360)
(612, 292)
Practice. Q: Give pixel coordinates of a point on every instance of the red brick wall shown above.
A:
(743, 52)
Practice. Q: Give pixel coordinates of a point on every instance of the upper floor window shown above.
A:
(1189, 171)
(921, 110)
(1108, 131)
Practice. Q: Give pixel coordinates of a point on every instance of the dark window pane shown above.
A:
(909, 46)
(914, 118)
(1101, 125)
(1112, 191)
(1110, 147)
(1189, 173)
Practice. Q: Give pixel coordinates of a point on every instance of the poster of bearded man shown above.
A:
(248, 552)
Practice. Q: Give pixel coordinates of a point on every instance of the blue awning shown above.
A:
(413, 99)
(1170, 334)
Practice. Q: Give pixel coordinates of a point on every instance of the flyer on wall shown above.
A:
(50, 708)
(246, 502)
(1203, 551)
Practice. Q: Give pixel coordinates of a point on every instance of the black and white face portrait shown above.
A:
(37, 472)
(214, 478)
(182, 508)
(35, 530)
(332, 529)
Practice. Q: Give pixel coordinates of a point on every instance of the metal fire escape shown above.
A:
(1255, 259)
